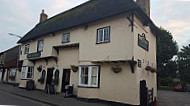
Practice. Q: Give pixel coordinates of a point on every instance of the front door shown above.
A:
(49, 76)
(143, 93)
(65, 79)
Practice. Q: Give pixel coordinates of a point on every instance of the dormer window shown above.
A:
(66, 38)
(103, 35)
(40, 45)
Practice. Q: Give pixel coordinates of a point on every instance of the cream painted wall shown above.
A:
(148, 58)
(68, 57)
(119, 87)
(119, 47)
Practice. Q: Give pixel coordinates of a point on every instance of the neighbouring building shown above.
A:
(10, 66)
(105, 48)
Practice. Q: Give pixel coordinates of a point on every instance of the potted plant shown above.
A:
(19, 70)
(116, 69)
(39, 68)
(151, 69)
(74, 68)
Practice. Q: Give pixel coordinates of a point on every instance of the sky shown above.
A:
(20, 16)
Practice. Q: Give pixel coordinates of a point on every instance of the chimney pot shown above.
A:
(43, 16)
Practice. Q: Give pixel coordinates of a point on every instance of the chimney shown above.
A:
(144, 5)
(43, 16)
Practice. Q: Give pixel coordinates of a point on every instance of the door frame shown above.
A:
(49, 69)
(63, 78)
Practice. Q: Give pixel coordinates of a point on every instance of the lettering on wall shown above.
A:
(142, 42)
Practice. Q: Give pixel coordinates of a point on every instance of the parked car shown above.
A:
(178, 88)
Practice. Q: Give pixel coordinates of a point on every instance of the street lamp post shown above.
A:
(11, 34)
(15, 35)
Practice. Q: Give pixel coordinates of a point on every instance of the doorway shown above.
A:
(65, 79)
(49, 76)
(143, 93)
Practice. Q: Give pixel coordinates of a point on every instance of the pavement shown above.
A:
(173, 98)
(43, 97)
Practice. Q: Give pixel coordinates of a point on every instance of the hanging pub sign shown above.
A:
(33, 55)
(142, 42)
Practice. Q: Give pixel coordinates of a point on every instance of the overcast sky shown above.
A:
(20, 16)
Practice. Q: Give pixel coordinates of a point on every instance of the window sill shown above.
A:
(26, 79)
(80, 86)
(66, 42)
(102, 42)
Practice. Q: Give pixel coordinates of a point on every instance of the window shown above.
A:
(13, 72)
(57, 75)
(40, 45)
(66, 38)
(88, 76)
(103, 35)
(27, 49)
(27, 72)
(139, 63)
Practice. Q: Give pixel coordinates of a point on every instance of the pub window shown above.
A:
(43, 74)
(27, 72)
(57, 75)
(27, 49)
(40, 45)
(89, 76)
(139, 63)
(66, 38)
(103, 35)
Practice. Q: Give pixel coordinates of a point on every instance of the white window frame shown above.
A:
(66, 38)
(40, 47)
(103, 37)
(25, 71)
(27, 49)
(89, 77)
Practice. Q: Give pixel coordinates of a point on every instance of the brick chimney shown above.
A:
(43, 16)
(145, 6)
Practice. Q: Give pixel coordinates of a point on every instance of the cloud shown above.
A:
(173, 15)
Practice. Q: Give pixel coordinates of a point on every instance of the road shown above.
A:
(171, 98)
(10, 99)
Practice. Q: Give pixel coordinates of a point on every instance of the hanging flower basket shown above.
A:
(39, 68)
(116, 69)
(149, 68)
(41, 80)
(19, 69)
(74, 68)
(56, 81)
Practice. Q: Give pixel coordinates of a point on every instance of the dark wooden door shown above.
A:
(143, 93)
(65, 79)
(49, 76)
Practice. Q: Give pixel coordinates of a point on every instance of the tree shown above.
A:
(184, 64)
(166, 49)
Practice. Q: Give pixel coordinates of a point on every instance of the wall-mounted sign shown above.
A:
(142, 42)
(34, 55)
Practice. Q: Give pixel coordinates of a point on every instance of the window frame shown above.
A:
(38, 45)
(26, 72)
(66, 34)
(98, 36)
(27, 52)
(89, 85)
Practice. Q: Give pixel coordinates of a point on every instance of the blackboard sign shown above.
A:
(30, 85)
(51, 89)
